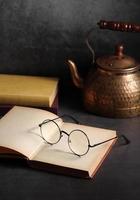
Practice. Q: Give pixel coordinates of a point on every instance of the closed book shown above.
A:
(34, 91)
(33, 134)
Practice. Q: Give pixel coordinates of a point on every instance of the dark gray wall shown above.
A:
(38, 36)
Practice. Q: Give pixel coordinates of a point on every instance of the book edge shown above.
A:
(11, 152)
(57, 169)
(5, 108)
(53, 96)
(103, 158)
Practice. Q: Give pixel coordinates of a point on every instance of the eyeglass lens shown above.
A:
(78, 142)
(50, 132)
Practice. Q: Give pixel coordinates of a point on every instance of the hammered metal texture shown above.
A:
(112, 95)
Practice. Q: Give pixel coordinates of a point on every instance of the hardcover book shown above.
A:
(33, 91)
(49, 143)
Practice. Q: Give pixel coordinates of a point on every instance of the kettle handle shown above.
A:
(115, 26)
(119, 26)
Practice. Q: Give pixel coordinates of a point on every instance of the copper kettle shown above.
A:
(113, 90)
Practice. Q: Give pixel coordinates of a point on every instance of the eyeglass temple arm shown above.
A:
(47, 120)
(103, 142)
(124, 137)
(69, 116)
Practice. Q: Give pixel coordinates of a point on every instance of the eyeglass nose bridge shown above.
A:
(64, 132)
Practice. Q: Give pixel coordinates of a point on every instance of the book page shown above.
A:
(60, 153)
(19, 129)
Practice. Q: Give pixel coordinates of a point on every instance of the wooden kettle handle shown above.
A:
(119, 26)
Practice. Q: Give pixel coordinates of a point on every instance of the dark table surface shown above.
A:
(118, 178)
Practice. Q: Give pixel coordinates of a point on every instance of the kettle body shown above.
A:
(112, 95)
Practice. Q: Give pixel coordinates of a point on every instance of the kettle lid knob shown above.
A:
(119, 51)
(118, 63)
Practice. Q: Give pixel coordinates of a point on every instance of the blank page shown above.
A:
(19, 129)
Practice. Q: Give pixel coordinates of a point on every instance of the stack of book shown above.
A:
(32, 91)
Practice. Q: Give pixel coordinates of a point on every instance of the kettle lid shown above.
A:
(118, 63)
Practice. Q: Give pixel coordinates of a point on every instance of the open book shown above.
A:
(20, 135)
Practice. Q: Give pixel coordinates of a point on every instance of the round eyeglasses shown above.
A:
(78, 141)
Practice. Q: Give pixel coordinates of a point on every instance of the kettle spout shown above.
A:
(77, 80)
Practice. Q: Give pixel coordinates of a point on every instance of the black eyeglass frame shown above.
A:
(68, 134)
